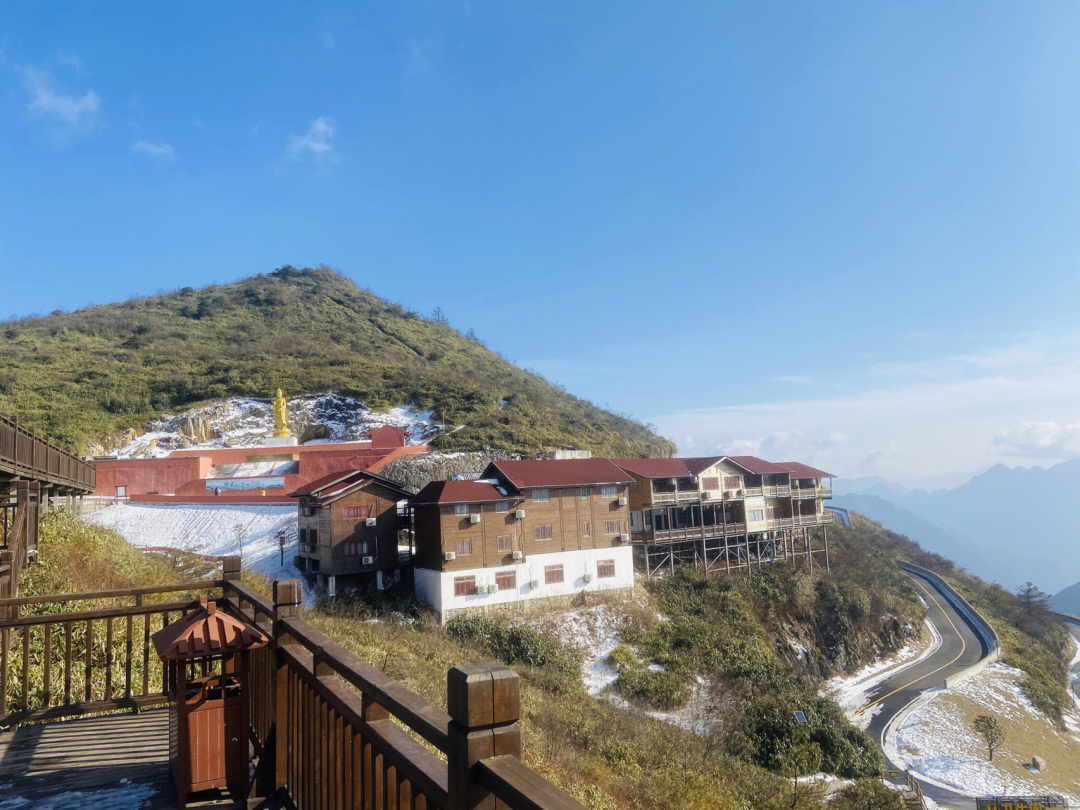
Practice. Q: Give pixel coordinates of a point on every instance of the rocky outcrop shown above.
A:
(417, 471)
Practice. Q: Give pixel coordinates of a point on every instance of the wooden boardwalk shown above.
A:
(97, 763)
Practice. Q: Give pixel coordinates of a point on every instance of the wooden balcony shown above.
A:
(693, 533)
(327, 729)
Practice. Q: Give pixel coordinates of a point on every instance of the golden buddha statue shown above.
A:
(280, 412)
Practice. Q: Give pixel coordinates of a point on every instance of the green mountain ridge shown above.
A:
(84, 375)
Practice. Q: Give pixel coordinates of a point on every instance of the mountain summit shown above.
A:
(84, 375)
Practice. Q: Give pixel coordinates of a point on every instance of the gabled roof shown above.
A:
(666, 467)
(335, 485)
(205, 632)
(567, 472)
(458, 492)
(758, 466)
(800, 470)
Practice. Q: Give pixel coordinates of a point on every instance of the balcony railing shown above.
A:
(694, 533)
(26, 454)
(752, 491)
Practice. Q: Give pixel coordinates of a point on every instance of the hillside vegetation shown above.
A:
(80, 376)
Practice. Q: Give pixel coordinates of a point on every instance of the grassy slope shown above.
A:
(84, 374)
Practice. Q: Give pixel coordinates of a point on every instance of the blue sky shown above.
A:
(839, 232)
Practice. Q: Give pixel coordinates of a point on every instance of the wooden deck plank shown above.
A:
(88, 756)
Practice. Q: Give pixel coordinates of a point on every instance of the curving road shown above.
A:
(960, 648)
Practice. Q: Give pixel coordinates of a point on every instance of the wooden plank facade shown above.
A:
(349, 525)
(526, 530)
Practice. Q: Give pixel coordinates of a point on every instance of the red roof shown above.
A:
(569, 472)
(346, 479)
(206, 632)
(665, 467)
(800, 470)
(458, 492)
(758, 466)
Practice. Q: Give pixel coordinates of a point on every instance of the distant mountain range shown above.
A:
(1009, 525)
(1067, 600)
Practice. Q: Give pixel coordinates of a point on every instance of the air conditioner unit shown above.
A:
(449, 556)
(474, 518)
(519, 514)
(370, 522)
(622, 500)
(624, 538)
(367, 560)
(518, 555)
(534, 584)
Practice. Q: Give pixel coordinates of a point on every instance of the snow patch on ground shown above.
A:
(126, 796)
(934, 744)
(852, 691)
(212, 529)
(248, 422)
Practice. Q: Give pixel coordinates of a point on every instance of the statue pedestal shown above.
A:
(280, 441)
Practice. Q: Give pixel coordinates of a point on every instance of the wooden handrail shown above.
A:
(522, 788)
(198, 585)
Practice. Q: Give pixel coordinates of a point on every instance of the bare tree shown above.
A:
(238, 532)
(990, 729)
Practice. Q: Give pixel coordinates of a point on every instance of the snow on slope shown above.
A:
(247, 422)
(851, 691)
(936, 741)
(125, 796)
(211, 529)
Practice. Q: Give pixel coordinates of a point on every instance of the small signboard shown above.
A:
(1019, 802)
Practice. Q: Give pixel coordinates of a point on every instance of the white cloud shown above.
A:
(47, 100)
(161, 151)
(927, 417)
(316, 141)
(1040, 439)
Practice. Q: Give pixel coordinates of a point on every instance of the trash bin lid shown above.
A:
(206, 631)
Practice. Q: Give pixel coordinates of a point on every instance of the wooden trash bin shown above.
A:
(207, 653)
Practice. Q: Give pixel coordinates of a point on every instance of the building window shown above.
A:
(605, 569)
(710, 483)
(505, 543)
(553, 574)
(586, 529)
(583, 493)
(542, 532)
(541, 494)
(461, 509)
(464, 547)
(358, 511)
(464, 586)
(609, 491)
(121, 492)
(356, 548)
(731, 482)
(502, 506)
(506, 580)
(755, 515)
(611, 527)
(313, 537)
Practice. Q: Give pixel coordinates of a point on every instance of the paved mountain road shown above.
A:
(960, 648)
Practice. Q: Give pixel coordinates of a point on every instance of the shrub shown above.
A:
(513, 644)
(655, 688)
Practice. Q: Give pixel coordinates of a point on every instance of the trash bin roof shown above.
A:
(204, 632)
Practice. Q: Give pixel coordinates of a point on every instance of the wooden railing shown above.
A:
(28, 455)
(337, 732)
(330, 730)
(83, 661)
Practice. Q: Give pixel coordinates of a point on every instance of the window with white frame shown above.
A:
(583, 493)
(542, 532)
(542, 494)
(461, 509)
(464, 547)
(505, 543)
(755, 515)
(611, 527)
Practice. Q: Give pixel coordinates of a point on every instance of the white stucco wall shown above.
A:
(437, 587)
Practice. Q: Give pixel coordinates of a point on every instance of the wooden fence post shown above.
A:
(230, 569)
(483, 701)
(287, 597)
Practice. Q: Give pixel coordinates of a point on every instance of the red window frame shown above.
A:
(553, 574)
(464, 586)
(506, 580)
(605, 569)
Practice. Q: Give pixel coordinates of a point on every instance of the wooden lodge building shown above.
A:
(726, 513)
(348, 525)
(526, 530)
